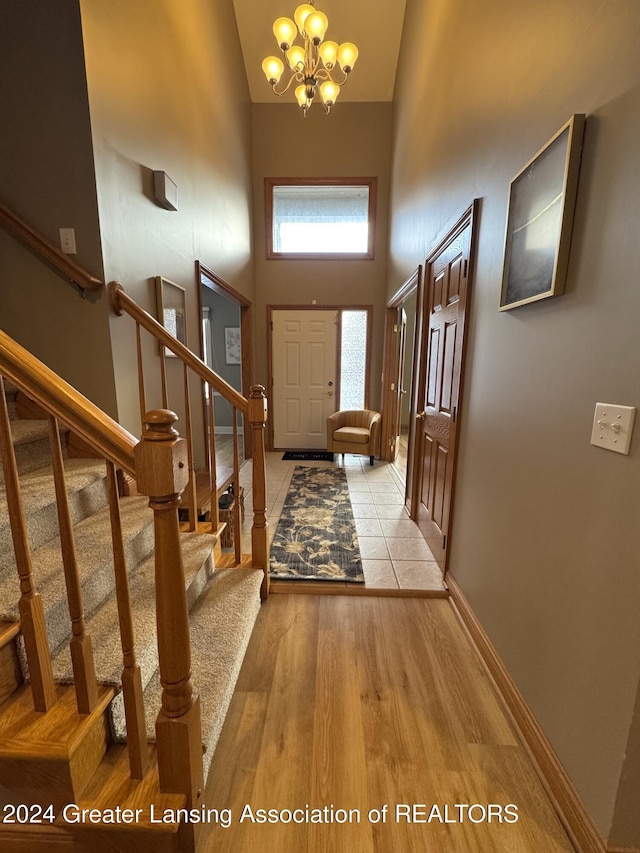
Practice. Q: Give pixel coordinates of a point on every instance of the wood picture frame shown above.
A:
(172, 309)
(542, 199)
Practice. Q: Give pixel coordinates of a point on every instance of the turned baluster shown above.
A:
(192, 496)
(237, 521)
(141, 393)
(84, 673)
(215, 517)
(163, 376)
(131, 676)
(34, 630)
(260, 529)
(162, 473)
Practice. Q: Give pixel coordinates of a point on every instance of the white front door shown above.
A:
(304, 377)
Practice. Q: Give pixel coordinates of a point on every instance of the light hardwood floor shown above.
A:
(361, 702)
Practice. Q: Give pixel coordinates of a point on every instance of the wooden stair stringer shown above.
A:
(50, 758)
(10, 673)
(147, 807)
(35, 838)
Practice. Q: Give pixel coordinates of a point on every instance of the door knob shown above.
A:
(329, 393)
(420, 416)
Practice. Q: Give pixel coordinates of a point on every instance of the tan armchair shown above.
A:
(354, 431)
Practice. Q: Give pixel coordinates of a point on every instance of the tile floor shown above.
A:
(394, 554)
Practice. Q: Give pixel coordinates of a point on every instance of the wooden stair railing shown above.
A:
(254, 409)
(159, 465)
(63, 404)
(48, 251)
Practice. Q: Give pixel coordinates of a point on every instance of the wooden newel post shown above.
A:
(162, 473)
(260, 529)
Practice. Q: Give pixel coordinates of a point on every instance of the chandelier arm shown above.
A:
(323, 73)
(293, 68)
(333, 79)
(295, 76)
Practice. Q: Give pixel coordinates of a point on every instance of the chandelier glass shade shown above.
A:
(312, 65)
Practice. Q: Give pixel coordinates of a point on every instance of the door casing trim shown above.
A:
(219, 285)
(415, 282)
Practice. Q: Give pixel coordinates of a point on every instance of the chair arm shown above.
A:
(374, 429)
(335, 421)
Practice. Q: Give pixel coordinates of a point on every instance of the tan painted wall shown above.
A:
(167, 91)
(545, 537)
(47, 178)
(353, 141)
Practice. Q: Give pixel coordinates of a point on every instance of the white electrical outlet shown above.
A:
(612, 427)
(68, 241)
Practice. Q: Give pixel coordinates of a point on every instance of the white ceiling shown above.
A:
(375, 29)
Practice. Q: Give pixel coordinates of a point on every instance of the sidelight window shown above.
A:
(353, 359)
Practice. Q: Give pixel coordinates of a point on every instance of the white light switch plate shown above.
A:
(612, 427)
(68, 241)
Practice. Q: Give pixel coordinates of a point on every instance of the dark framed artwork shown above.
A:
(542, 199)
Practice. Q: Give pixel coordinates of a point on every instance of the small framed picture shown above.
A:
(232, 354)
(542, 199)
(172, 310)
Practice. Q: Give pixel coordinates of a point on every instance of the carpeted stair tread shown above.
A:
(11, 391)
(85, 481)
(10, 388)
(30, 444)
(221, 625)
(26, 430)
(102, 625)
(95, 565)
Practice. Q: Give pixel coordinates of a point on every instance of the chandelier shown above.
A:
(312, 66)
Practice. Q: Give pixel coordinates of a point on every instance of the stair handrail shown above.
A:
(122, 303)
(48, 251)
(254, 407)
(60, 399)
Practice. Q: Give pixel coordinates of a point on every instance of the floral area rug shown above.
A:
(316, 535)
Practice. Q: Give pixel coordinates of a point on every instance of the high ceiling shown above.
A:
(377, 37)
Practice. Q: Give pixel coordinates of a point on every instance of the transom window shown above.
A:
(323, 218)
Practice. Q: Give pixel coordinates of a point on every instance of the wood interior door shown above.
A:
(447, 286)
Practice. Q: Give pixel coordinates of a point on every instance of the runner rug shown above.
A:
(316, 535)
